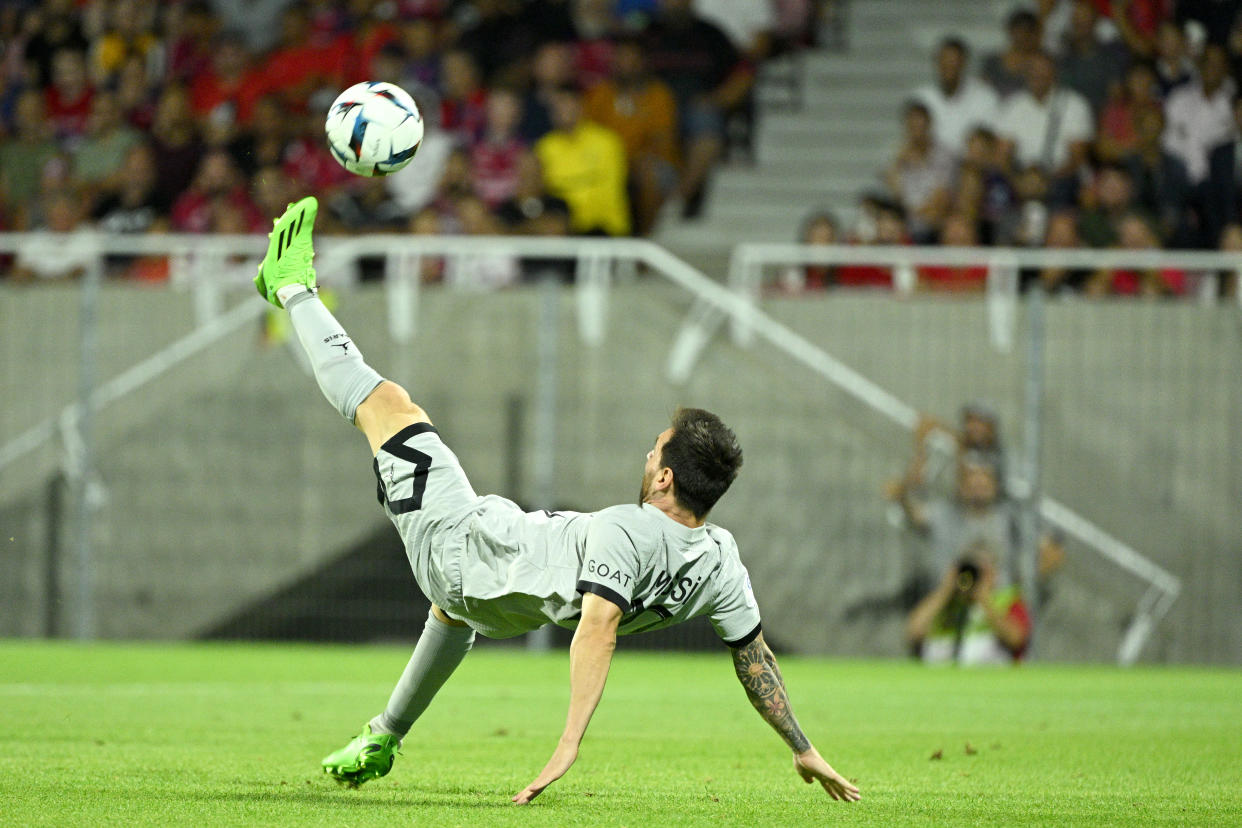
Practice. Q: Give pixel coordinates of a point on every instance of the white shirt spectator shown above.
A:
(1196, 124)
(56, 255)
(955, 116)
(741, 20)
(1043, 132)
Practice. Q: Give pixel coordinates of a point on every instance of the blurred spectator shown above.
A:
(1107, 199)
(1062, 235)
(1199, 118)
(494, 157)
(1230, 242)
(1225, 173)
(414, 185)
(532, 210)
(129, 32)
(958, 103)
(984, 191)
(69, 95)
(135, 205)
(53, 26)
(500, 34)
(367, 207)
(881, 221)
(551, 68)
(1087, 64)
(484, 271)
(175, 144)
(1054, 22)
(1162, 185)
(43, 257)
(1199, 115)
(272, 191)
(108, 140)
(749, 24)
(463, 110)
(217, 180)
(135, 94)
(584, 163)
(958, 230)
(640, 109)
(593, 27)
(1006, 71)
(974, 616)
(1118, 136)
(1046, 128)
(819, 227)
(23, 156)
(920, 176)
(422, 52)
(229, 83)
(708, 79)
(1138, 21)
(977, 434)
(191, 28)
(1173, 64)
(299, 64)
(977, 512)
(1136, 231)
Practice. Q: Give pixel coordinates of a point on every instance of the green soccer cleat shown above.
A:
(368, 756)
(289, 251)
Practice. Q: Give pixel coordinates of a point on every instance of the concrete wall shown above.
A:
(232, 476)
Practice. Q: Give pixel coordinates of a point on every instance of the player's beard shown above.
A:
(645, 488)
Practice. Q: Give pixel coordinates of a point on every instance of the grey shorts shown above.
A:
(425, 492)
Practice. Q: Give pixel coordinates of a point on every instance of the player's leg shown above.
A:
(286, 278)
(369, 755)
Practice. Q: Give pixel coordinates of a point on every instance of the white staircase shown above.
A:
(827, 154)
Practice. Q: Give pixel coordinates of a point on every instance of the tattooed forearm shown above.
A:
(756, 669)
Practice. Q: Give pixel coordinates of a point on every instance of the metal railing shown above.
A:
(198, 261)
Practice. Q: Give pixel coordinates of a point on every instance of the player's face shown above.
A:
(652, 466)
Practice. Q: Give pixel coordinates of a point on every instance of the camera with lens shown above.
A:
(967, 574)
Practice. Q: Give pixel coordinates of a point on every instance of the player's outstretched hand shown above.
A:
(812, 767)
(562, 759)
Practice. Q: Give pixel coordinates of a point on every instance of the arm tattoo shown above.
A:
(756, 669)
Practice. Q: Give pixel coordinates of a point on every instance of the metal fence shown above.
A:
(131, 355)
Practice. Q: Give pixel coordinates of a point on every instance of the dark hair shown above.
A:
(1022, 17)
(915, 105)
(955, 42)
(705, 457)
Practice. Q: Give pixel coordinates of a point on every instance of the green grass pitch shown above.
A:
(232, 735)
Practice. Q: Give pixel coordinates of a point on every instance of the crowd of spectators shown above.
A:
(1099, 124)
(544, 116)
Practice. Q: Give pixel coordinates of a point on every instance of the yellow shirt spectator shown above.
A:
(585, 165)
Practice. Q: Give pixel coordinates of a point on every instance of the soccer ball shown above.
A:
(374, 128)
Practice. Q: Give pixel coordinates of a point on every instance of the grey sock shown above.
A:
(438, 652)
(345, 379)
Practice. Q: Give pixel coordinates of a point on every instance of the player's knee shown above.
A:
(389, 399)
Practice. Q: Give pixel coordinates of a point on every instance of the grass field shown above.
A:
(232, 735)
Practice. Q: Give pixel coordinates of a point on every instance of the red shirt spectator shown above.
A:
(229, 81)
(68, 99)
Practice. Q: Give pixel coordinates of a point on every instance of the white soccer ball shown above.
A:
(374, 128)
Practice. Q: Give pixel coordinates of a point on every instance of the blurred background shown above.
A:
(962, 276)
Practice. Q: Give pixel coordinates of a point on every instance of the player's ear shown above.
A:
(663, 479)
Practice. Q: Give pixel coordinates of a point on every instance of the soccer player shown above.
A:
(489, 567)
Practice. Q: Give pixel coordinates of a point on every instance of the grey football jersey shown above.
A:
(506, 572)
(522, 569)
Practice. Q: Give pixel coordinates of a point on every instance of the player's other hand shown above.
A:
(562, 759)
(812, 767)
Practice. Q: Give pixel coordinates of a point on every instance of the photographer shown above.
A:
(972, 617)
